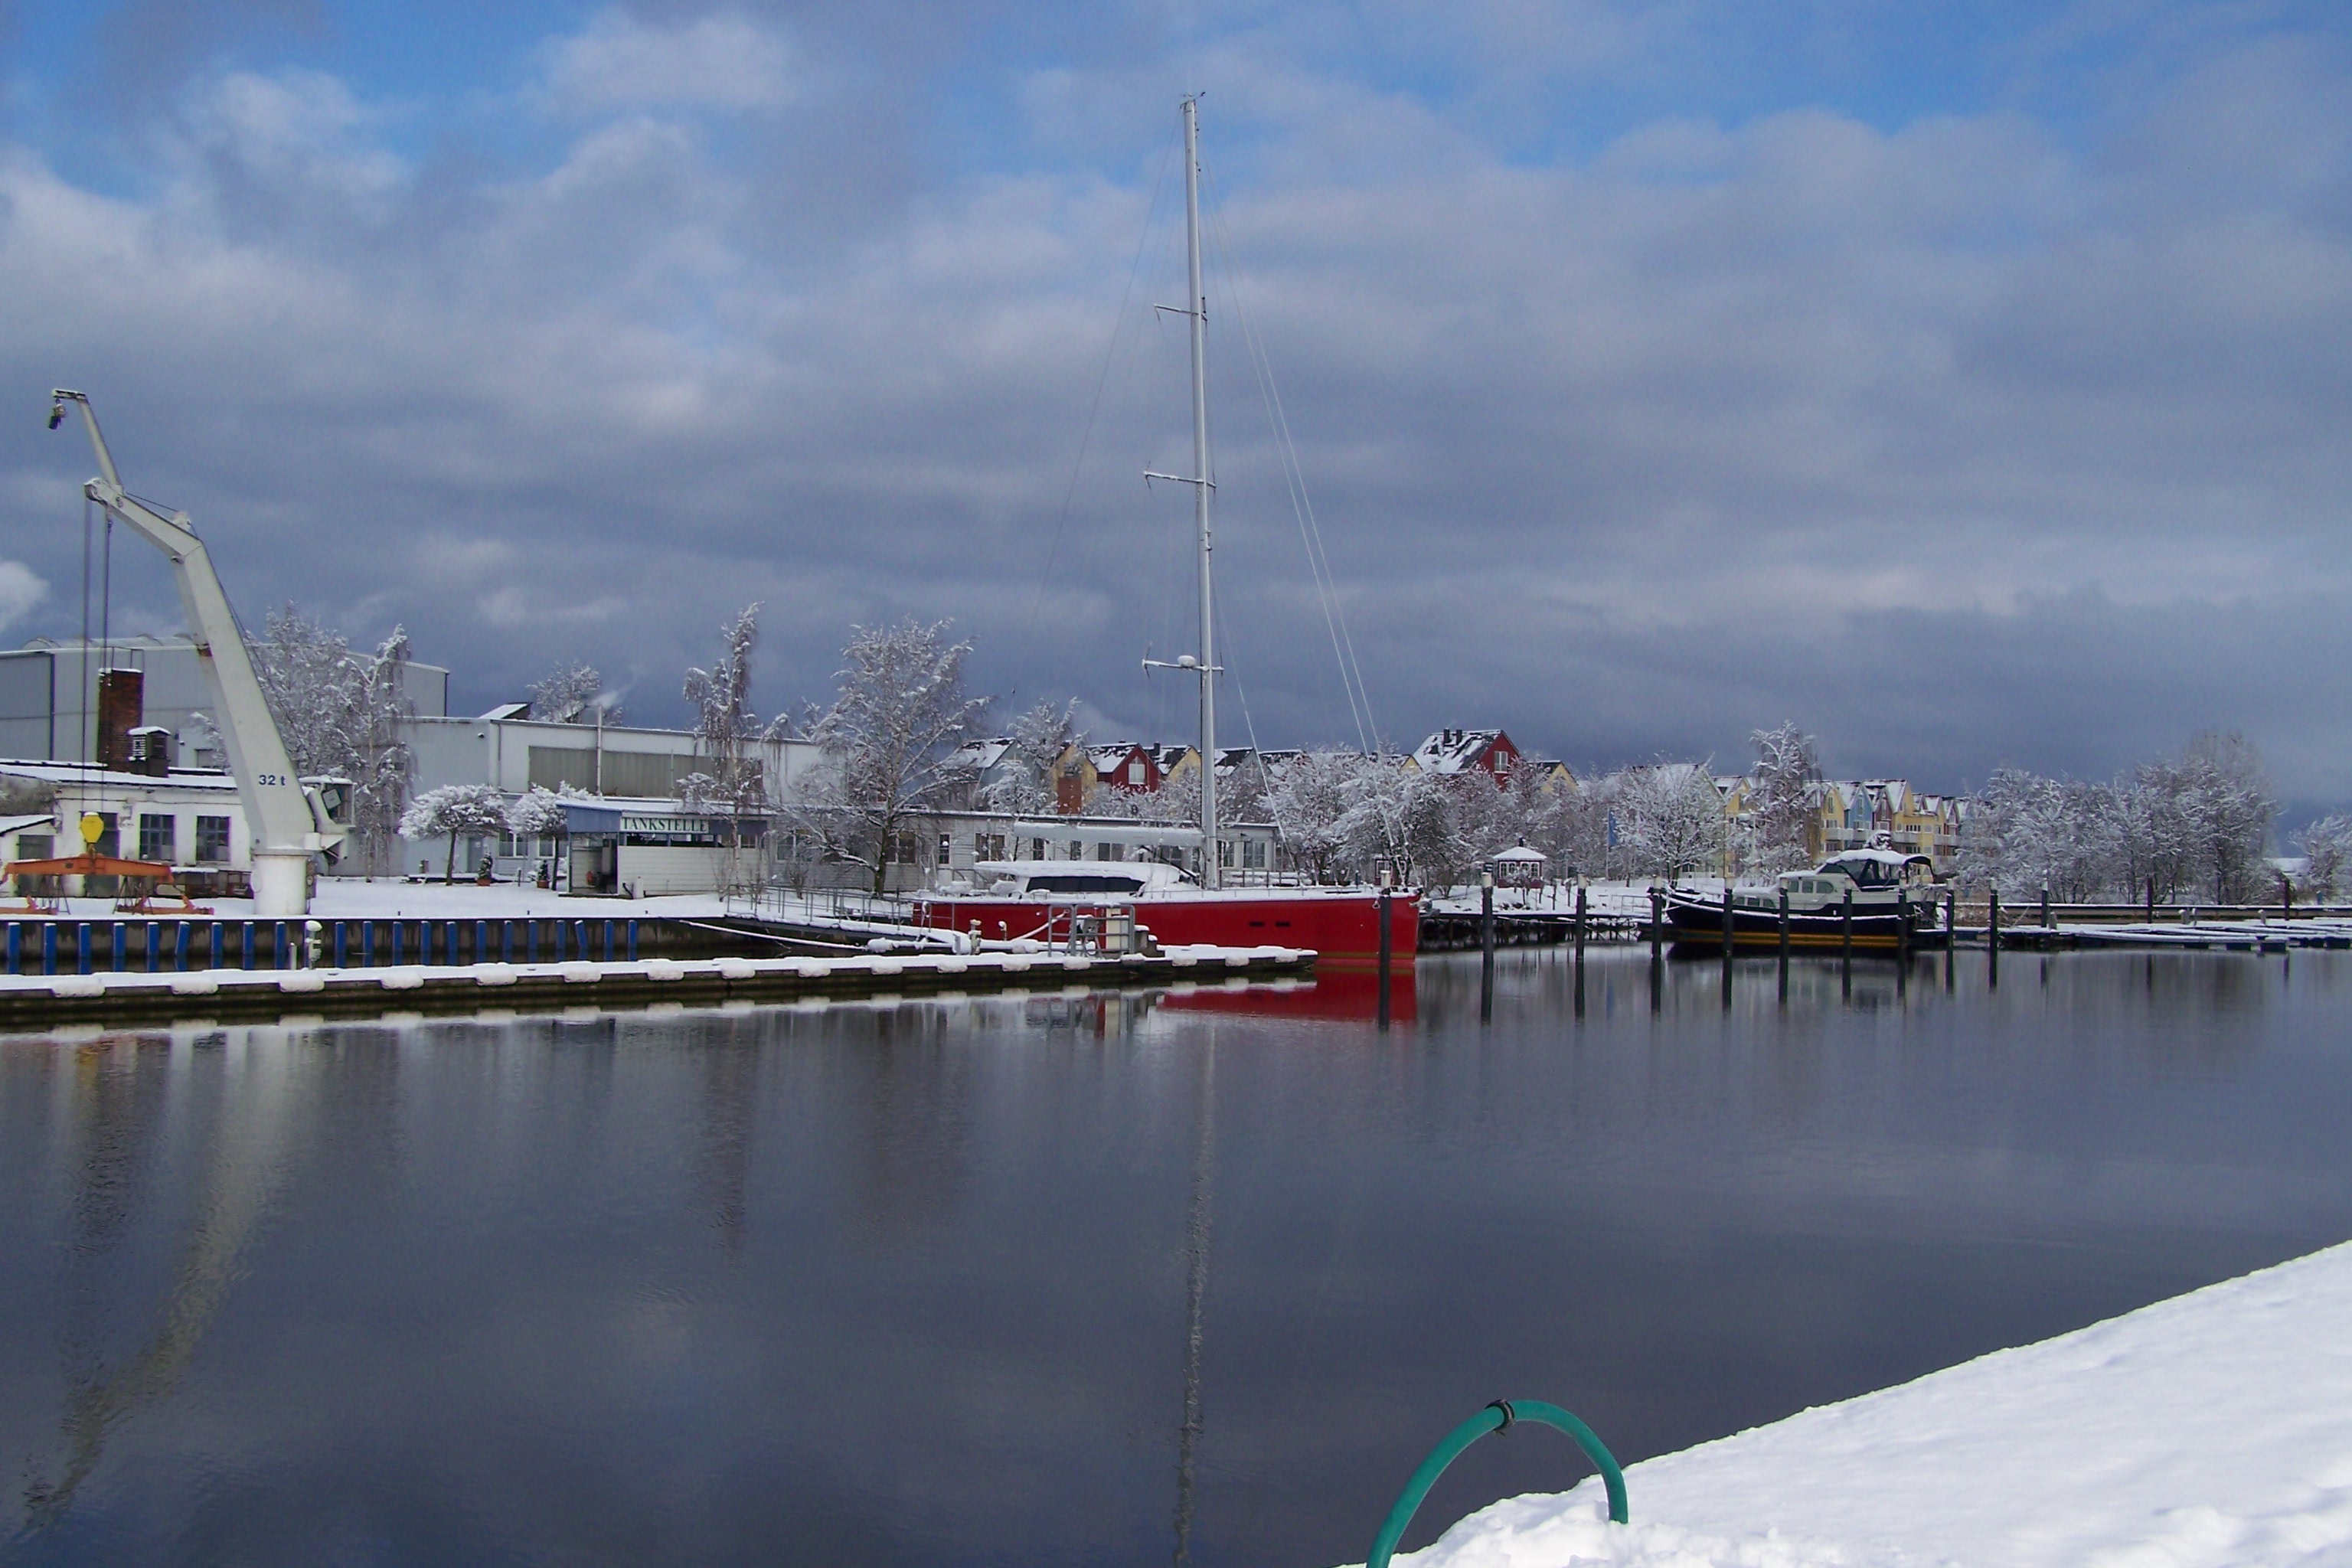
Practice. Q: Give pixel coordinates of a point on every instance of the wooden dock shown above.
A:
(40, 1002)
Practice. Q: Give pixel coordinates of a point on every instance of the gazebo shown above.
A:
(1518, 867)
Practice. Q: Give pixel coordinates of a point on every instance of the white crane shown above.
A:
(288, 821)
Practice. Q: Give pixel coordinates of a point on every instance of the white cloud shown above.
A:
(724, 62)
(20, 592)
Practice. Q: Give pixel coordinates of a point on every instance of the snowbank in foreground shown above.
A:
(2212, 1428)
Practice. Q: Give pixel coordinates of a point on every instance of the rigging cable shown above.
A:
(1343, 646)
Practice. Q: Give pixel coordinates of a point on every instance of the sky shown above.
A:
(1966, 383)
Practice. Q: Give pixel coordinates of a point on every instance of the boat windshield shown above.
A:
(1868, 873)
(1082, 882)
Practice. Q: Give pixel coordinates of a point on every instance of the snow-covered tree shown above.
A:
(1784, 792)
(536, 812)
(900, 711)
(2196, 825)
(1308, 806)
(1025, 783)
(341, 715)
(454, 809)
(731, 781)
(2327, 857)
(568, 695)
(1670, 815)
(2227, 801)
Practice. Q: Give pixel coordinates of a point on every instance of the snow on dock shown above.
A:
(45, 1001)
(2214, 1428)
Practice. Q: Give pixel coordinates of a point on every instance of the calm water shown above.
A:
(1087, 1280)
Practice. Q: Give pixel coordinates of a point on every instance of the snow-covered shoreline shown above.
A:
(2212, 1428)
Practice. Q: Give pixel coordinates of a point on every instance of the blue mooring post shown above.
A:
(244, 945)
(281, 951)
(117, 947)
(343, 944)
(454, 957)
(579, 937)
(154, 946)
(81, 947)
(180, 947)
(530, 940)
(481, 941)
(16, 947)
(367, 944)
(633, 941)
(48, 947)
(506, 942)
(608, 941)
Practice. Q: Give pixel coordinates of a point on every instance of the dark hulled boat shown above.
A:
(1879, 900)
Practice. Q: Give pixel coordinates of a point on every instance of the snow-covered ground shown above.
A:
(2214, 1428)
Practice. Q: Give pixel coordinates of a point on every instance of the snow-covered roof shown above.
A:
(504, 711)
(1519, 854)
(109, 778)
(1451, 750)
(18, 824)
(979, 755)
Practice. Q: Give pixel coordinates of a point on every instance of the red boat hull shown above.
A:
(1343, 928)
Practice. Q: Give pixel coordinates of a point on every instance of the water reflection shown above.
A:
(1067, 1275)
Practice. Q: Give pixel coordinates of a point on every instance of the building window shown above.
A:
(1077, 850)
(212, 840)
(1254, 854)
(1136, 773)
(1110, 851)
(156, 839)
(1036, 849)
(946, 853)
(36, 846)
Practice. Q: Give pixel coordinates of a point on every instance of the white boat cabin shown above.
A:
(1067, 878)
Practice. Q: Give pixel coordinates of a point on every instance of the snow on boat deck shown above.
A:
(2212, 1428)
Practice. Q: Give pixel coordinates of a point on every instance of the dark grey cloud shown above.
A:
(1963, 442)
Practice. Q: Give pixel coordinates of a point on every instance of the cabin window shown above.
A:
(212, 840)
(1136, 775)
(1036, 849)
(1254, 854)
(36, 846)
(156, 839)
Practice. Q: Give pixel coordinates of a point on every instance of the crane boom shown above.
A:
(285, 819)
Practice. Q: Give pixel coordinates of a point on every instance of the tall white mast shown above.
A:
(1199, 306)
(1205, 665)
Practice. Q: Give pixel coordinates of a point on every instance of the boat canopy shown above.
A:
(1878, 867)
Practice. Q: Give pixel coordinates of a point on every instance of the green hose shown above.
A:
(1494, 1418)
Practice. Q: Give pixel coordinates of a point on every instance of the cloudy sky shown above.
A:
(1966, 381)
